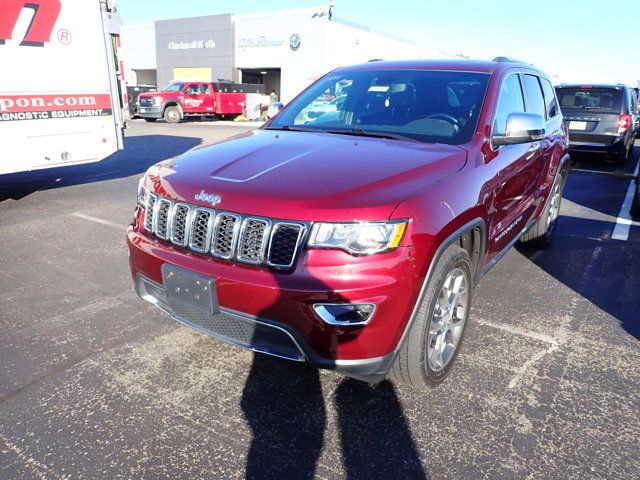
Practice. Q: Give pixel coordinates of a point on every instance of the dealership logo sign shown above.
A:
(45, 16)
(194, 45)
(260, 42)
(294, 42)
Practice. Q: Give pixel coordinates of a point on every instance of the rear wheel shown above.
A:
(621, 157)
(172, 114)
(428, 353)
(150, 120)
(635, 205)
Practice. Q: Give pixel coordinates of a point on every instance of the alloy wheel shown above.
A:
(447, 322)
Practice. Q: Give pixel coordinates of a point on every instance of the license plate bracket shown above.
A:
(190, 289)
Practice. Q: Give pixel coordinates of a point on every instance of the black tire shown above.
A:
(621, 158)
(172, 114)
(150, 120)
(412, 366)
(540, 235)
(635, 205)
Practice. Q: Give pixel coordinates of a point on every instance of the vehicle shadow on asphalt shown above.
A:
(604, 271)
(285, 408)
(140, 153)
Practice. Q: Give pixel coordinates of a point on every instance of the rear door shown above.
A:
(592, 113)
(199, 98)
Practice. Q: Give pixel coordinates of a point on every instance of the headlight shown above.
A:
(358, 238)
(157, 100)
(142, 194)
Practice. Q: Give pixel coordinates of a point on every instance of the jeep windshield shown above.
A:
(174, 87)
(606, 100)
(423, 105)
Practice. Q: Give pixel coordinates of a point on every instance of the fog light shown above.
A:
(345, 313)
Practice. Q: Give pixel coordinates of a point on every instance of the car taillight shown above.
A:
(624, 123)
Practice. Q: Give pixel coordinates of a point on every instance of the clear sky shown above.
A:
(572, 40)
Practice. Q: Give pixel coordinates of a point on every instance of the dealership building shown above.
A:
(284, 50)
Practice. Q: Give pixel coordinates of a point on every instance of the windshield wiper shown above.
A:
(292, 129)
(367, 133)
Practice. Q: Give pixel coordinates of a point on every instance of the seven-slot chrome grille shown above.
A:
(247, 239)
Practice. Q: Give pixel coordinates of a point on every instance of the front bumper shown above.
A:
(150, 112)
(272, 312)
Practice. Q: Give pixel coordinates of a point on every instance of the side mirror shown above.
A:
(521, 128)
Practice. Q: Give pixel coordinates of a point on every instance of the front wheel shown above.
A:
(172, 115)
(428, 353)
(151, 120)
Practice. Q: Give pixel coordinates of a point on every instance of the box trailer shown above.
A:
(61, 96)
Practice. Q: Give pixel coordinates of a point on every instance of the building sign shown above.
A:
(196, 44)
(294, 42)
(260, 42)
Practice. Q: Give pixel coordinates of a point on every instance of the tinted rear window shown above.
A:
(600, 99)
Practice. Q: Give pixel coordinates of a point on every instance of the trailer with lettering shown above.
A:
(61, 96)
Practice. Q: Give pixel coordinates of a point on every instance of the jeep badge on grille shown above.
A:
(209, 198)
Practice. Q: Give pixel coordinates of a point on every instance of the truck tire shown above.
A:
(433, 342)
(150, 120)
(172, 114)
(540, 234)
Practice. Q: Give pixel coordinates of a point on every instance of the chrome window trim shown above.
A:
(263, 245)
(187, 223)
(495, 110)
(156, 209)
(207, 241)
(235, 235)
(301, 234)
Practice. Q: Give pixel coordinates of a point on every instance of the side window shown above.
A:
(194, 89)
(533, 95)
(549, 98)
(206, 88)
(510, 101)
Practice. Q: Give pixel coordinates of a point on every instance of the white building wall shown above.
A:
(138, 51)
(264, 41)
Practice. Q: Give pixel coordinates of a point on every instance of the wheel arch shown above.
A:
(172, 103)
(475, 230)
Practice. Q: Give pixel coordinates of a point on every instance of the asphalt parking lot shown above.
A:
(95, 383)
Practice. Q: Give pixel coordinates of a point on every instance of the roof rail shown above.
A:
(508, 59)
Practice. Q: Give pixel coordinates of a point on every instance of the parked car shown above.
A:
(356, 244)
(320, 109)
(602, 119)
(133, 92)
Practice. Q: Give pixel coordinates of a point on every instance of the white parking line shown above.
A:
(98, 220)
(623, 223)
(518, 331)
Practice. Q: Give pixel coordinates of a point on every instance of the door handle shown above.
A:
(532, 150)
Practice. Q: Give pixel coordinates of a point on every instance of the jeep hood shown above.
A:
(306, 175)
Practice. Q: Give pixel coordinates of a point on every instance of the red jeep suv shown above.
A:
(353, 239)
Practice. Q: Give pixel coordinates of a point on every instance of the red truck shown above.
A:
(181, 99)
(354, 240)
